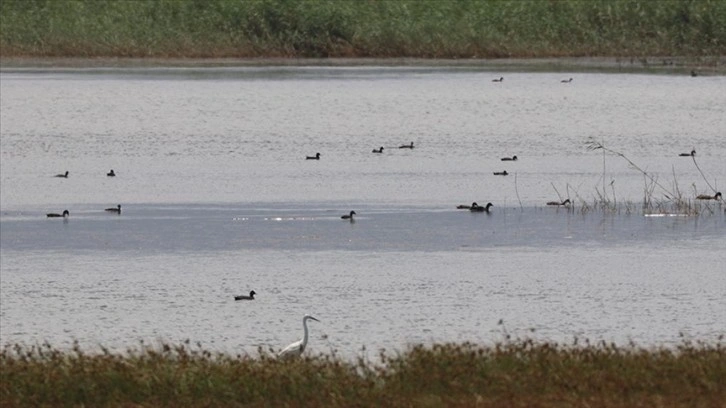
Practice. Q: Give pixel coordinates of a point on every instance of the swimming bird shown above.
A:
(717, 196)
(243, 297)
(297, 348)
(408, 146)
(693, 73)
(467, 207)
(56, 215)
(348, 216)
(111, 173)
(566, 81)
(380, 150)
(513, 158)
(116, 210)
(478, 208)
(62, 175)
(316, 157)
(692, 153)
(498, 80)
(501, 173)
(566, 202)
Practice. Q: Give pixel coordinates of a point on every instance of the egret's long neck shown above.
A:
(305, 327)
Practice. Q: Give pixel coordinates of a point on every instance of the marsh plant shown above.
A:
(511, 373)
(382, 29)
(657, 198)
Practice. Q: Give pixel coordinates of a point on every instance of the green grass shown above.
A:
(362, 28)
(517, 374)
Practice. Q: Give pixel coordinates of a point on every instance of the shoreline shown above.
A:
(669, 65)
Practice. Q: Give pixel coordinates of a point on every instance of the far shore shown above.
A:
(666, 65)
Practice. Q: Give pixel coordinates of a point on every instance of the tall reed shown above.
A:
(513, 373)
(372, 28)
(673, 201)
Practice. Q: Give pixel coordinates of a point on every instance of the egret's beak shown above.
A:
(314, 319)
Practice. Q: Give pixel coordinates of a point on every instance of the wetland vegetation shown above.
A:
(513, 373)
(657, 198)
(377, 28)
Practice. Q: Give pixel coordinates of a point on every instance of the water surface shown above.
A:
(217, 200)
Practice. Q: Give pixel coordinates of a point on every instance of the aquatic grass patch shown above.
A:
(520, 372)
(591, 145)
(671, 200)
(331, 28)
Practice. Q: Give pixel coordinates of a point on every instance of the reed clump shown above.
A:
(515, 373)
(331, 28)
(668, 200)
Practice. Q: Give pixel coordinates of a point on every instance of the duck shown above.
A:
(56, 215)
(316, 157)
(111, 173)
(348, 216)
(692, 153)
(500, 79)
(243, 297)
(513, 158)
(116, 209)
(716, 196)
(379, 150)
(501, 173)
(566, 81)
(408, 146)
(62, 175)
(467, 207)
(693, 73)
(566, 202)
(478, 208)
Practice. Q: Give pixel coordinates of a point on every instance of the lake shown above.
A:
(217, 199)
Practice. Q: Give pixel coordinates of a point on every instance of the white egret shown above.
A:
(297, 348)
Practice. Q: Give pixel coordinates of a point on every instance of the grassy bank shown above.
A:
(371, 28)
(516, 374)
